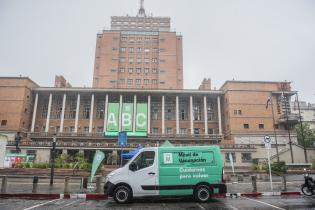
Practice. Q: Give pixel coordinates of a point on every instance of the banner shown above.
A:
(112, 117)
(127, 117)
(98, 158)
(142, 117)
(231, 161)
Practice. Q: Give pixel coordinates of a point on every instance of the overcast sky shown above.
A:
(272, 40)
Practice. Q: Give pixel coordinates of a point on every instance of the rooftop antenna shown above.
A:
(141, 12)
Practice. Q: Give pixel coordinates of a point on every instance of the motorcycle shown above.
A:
(309, 184)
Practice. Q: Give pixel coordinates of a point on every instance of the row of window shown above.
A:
(138, 81)
(260, 126)
(138, 70)
(139, 49)
(139, 60)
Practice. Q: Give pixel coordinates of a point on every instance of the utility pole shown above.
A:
(274, 129)
(302, 129)
(288, 125)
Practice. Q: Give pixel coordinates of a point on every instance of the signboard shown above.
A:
(142, 117)
(267, 141)
(126, 117)
(113, 117)
(122, 138)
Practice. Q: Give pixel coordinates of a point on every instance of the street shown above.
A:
(262, 203)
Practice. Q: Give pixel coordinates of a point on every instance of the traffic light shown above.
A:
(17, 142)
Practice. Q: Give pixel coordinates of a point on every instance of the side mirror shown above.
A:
(132, 166)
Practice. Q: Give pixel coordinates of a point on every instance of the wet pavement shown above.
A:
(241, 203)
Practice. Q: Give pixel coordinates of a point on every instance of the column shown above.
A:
(205, 114)
(120, 109)
(77, 114)
(177, 116)
(219, 115)
(62, 117)
(91, 114)
(149, 114)
(134, 113)
(34, 113)
(48, 113)
(105, 114)
(163, 115)
(191, 115)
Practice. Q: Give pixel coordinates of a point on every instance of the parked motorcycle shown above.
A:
(309, 185)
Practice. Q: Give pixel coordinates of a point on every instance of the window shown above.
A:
(130, 70)
(122, 60)
(196, 130)
(4, 122)
(237, 112)
(155, 130)
(139, 60)
(246, 126)
(154, 70)
(155, 50)
(130, 49)
(113, 70)
(121, 81)
(122, 70)
(99, 129)
(154, 60)
(129, 81)
(261, 126)
(146, 60)
(139, 49)
(122, 49)
(169, 130)
(138, 81)
(86, 130)
(182, 131)
(86, 110)
(246, 157)
(227, 157)
(131, 60)
(154, 81)
(146, 70)
(100, 107)
(146, 50)
(71, 129)
(210, 131)
(146, 81)
(138, 70)
(210, 111)
(144, 160)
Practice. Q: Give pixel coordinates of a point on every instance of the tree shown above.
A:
(309, 134)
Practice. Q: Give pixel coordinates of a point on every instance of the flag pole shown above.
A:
(302, 129)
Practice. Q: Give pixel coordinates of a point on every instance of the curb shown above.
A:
(95, 196)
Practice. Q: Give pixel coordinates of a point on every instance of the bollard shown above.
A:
(4, 184)
(85, 182)
(98, 184)
(35, 184)
(284, 182)
(254, 182)
(66, 190)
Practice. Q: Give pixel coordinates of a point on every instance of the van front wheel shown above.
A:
(202, 193)
(122, 194)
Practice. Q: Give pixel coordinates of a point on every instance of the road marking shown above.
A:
(33, 207)
(232, 207)
(76, 200)
(200, 206)
(263, 203)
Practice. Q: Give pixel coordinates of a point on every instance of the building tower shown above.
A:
(139, 52)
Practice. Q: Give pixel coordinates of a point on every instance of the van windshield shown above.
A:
(144, 159)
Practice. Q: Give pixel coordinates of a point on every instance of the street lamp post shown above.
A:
(53, 160)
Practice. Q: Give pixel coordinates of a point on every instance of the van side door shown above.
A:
(143, 174)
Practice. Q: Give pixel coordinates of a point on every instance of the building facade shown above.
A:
(307, 111)
(139, 52)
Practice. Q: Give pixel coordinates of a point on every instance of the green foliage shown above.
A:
(309, 134)
(276, 168)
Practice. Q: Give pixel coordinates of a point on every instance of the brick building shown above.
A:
(139, 52)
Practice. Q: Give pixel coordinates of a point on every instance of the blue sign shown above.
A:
(122, 138)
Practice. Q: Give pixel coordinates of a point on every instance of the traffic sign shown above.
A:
(122, 138)
(267, 141)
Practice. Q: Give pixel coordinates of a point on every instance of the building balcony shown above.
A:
(212, 138)
(289, 119)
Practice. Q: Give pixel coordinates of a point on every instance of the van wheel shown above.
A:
(202, 193)
(122, 194)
